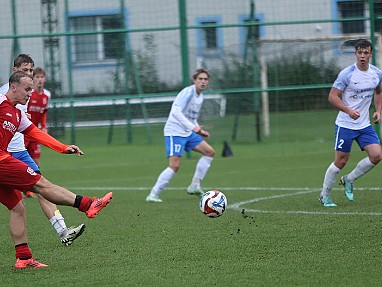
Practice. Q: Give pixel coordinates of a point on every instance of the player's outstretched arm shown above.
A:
(50, 142)
(74, 149)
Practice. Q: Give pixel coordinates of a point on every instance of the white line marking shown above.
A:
(238, 206)
(252, 188)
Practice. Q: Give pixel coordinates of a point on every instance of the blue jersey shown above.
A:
(358, 91)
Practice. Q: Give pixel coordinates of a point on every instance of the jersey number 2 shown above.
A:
(341, 142)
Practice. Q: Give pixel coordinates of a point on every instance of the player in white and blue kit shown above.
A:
(183, 133)
(352, 93)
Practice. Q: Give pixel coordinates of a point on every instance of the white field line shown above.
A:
(185, 188)
(238, 206)
(252, 188)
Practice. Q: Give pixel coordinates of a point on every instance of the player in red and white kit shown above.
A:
(16, 148)
(16, 175)
(37, 109)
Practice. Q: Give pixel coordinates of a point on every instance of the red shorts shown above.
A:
(15, 176)
(33, 147)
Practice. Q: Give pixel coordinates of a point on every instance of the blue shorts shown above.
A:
(344, 138)
(27, 159)
(175, 145)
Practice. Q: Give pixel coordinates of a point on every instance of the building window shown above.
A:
(97, 47)
(250, 33)
(253, 32)
(378, 13)
(210, 35)
(351, 9)
(209, 40)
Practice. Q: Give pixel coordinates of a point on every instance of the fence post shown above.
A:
(183, 41)
(70, 78)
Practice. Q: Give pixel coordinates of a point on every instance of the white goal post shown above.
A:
(214, 106)
(341, 40)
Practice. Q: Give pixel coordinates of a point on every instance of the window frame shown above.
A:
(201, 49)
(101, 59)
(260, 18)
(346, 26)
(378, 24)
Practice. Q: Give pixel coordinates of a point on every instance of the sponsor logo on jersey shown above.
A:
(362, 97)
(364, 90)
(31, 171)
(8, 114)
(9, 127)
(36, 109)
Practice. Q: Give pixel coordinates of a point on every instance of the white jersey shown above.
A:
(17, 143)
(358, 91)
(184, 113)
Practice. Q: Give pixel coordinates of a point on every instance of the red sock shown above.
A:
(23, 252)
(85, 203)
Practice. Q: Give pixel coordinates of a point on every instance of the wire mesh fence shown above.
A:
(265, 57)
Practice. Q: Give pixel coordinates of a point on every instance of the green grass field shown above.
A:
(283, 238)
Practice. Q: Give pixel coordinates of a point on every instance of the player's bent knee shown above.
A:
(210, 152)
(175, 168)
(376, 159)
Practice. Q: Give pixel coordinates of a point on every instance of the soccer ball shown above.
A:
(213, 203)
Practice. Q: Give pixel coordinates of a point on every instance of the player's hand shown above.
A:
(354, 114)
(377, 117)
(74, 149)
(204, 134)
(199, 130)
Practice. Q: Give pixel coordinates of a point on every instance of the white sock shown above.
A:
(329, 180)
(58, 223)
(162, 181)
(201, 170)
(362, 167)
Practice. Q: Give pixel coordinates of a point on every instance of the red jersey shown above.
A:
(38, 107)
(11, 120)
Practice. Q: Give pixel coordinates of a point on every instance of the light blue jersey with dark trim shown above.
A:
(358, 91)
(184, 113)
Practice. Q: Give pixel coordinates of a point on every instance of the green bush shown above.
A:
(297, 70)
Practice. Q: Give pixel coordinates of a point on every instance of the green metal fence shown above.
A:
(266, 58)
